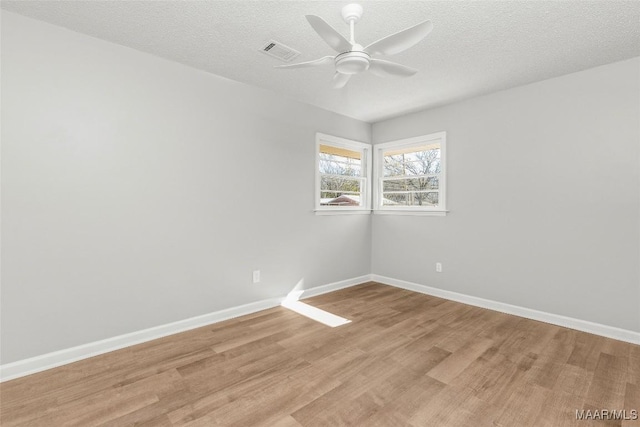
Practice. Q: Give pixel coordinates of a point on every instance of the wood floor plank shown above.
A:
(632, 405)
(586, 351)
(524, 406)
(457, 362)
(441, 409)
(406, 404)
(559, 409)
(634, 364)
(493, 377)
(574, 380)
(607, 388)
(552, 359)
(406, 359)
(287, 421)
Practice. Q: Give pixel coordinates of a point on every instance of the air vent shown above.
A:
(280, 51)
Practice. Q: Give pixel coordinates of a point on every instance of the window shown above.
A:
(342, 170)
(411, 175)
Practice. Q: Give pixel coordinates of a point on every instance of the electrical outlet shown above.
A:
(439, 267)
(256, 276)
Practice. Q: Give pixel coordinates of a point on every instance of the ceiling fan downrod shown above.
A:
(356, 60)
(351, 14)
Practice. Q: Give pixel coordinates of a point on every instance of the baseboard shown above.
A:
(43, 362)
(319, 290)
(54, 359)
(555, 319)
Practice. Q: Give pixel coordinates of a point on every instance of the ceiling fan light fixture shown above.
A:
(352, 58)
(352, 62)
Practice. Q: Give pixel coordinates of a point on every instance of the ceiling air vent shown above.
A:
(280, 51)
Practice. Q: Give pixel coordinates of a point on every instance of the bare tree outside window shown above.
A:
(411, 176)
(340, 176)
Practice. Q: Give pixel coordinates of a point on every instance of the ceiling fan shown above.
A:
(352, 58)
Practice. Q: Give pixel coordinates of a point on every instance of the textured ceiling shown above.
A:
(476, 47)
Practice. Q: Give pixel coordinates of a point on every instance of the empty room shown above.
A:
(320, 213)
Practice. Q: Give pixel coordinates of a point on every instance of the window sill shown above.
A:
(342, 212)
(409, 212)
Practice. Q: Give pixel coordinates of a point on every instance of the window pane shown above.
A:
(410, 199)
(411, 184)
(339, 167)
(339, 184)
(340, 161)
(335, 191)
(420, 160)
(337, 198)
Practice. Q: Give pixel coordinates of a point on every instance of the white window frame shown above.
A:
(365, 195)
(439, 210)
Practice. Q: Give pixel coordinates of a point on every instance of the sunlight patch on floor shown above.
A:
(314, 313)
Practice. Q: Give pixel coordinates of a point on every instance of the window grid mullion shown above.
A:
(401, 177)
(409, 191)
(351, 177)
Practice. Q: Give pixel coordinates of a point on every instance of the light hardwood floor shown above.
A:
(407, 359)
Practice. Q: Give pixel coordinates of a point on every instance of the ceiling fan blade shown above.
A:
(339, 80)
(329, 34)
(402, 40)
(383, 68)
(317, 62)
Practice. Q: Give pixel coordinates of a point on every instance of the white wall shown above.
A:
(137, 192)
(544, 192)
(123, 208)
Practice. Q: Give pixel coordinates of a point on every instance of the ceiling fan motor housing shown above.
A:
(352, 12)
(353, 62)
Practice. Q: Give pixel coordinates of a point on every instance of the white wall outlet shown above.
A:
(439, 267)
(256, 276)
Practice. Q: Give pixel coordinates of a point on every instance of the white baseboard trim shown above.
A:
(54, 359)
(319, 290)
(555, 319)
